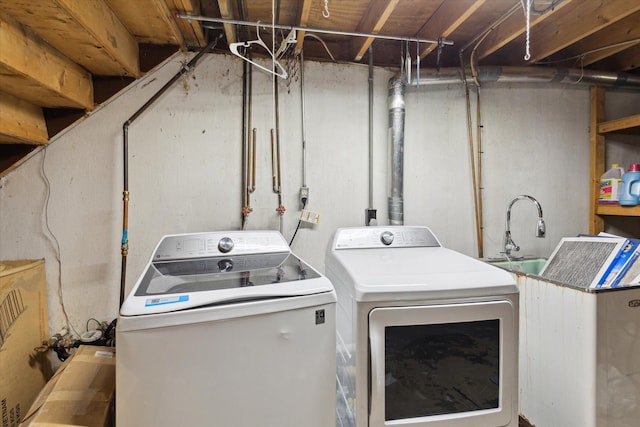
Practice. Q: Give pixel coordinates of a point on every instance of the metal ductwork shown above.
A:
(484, 74)
(495, 74)
(396, 150)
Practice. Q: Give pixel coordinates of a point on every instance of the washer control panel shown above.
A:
(384, 237)
(199, 245)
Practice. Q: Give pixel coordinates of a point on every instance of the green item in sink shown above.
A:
(528, 266)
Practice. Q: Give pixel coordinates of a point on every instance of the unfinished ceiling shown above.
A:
(60, 58)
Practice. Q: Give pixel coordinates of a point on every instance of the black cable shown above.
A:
(304, 203)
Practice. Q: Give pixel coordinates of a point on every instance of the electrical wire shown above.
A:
(52, 237)
(304, 203)
(95, 320)
(582, 55)
(549, 8)
(313, 36)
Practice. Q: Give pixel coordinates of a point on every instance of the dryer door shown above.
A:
(443, 365)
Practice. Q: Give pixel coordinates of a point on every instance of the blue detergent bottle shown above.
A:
(630, 191)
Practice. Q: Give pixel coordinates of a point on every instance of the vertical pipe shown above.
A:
(124, 248)
(370, 127)
(473, 169)
(370, 214)
(480, 225)
(474, 184)
(253, 161)
(246, 125)
(250, 136)
(277, 105)
(396, 150)
(304, 136)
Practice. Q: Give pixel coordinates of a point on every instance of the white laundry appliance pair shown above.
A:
(231, 329)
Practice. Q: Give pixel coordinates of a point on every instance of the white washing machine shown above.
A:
(427, 337)
(227, 329)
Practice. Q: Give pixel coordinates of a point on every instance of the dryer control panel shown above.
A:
(384, 237)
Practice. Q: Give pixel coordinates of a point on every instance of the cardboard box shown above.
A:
(81, 393)
(23, 326)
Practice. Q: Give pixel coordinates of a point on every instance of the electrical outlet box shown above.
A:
(304, 196)
(370, 217)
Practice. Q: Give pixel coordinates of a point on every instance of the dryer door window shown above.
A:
(435, 365)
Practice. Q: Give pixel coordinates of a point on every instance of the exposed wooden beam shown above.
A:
(88, 32)
(448, 18)
(627, 60)
(226, 12)
(32, 70)
(372, 22)
(513, 27)
(303, 20)
(98, 20)
(578, 20)
(148, 21)
(613, 38)
(21, 122)
(191, 31)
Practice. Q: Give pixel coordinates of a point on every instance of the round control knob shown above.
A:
(386, 238)
(225, 245)
(225, 265)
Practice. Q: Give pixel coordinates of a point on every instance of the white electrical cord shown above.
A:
(54, 240)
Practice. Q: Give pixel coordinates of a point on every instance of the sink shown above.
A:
(527, 266)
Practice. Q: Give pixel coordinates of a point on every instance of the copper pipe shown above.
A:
(125, 149)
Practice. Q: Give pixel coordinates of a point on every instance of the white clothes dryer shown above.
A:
(427, 337)
(226, 329)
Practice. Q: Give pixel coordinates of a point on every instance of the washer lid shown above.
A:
(247, 271)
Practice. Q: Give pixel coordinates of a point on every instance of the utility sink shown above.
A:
(527, 266)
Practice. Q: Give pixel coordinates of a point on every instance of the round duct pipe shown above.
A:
(485, 74)
(496, 74)
(396, 150)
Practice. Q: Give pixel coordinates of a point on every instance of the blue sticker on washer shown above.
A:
(166, 300)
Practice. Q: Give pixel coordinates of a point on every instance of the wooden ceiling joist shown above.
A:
(87, 32)
(622, 62)
(159, 25)
(580, 20)
(372, 22)
(511, 28)
(21, 122)
(226, 12)
(603, 44)
(446, 20)
(34, 71)
(303, 20)
(191, 30)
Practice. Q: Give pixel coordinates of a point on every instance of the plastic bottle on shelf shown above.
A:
(610, 184)
(630, 189)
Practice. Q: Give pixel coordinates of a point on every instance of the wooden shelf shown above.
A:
(617, 210)
(630, 125)
(600, 128)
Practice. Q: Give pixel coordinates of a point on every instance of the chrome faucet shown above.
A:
(509, 245)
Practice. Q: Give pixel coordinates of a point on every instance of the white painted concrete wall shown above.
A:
(185, 171)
